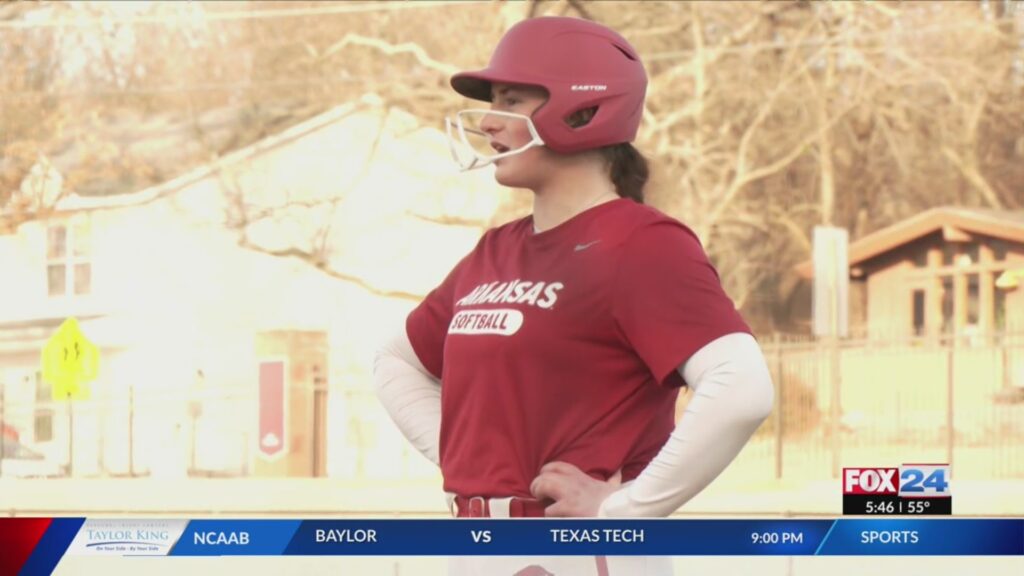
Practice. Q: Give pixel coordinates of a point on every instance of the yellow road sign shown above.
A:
(70, 362)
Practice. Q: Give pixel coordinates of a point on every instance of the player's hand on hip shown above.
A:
(575, 494)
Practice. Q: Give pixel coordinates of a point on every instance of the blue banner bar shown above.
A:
(235, 538)
(647, 537)
(548, 537)
(967, 537)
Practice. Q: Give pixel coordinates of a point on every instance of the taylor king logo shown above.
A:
(126, 537)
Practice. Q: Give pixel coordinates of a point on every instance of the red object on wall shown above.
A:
(273, 407)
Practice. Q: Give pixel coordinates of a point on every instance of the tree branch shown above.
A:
(742, 180)
(450, 220)
(317, 263)
(581, 9)
(390, 49)
(969, 170)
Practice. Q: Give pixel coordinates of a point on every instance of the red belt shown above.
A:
(480, 507)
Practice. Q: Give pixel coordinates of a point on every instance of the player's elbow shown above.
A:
(386, 361)
(395, 362)
(748, 382)
(761, 392)
(732, 371)
(754, 378)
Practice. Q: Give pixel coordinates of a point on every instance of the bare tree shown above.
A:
(763, 119)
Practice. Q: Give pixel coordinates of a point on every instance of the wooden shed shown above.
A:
(948, 271)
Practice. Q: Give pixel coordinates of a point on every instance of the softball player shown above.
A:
(542, 374)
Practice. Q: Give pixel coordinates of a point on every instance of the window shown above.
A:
(918, 312)
(68, 267)
(43, 420)
(56, 272)
(44, 426)
(948, 252)
(921, 259)
(999, 249)
(973, 305)
(999, 304)
(973, 252)
(947, 305)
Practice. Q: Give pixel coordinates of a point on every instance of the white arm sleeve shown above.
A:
(733, 394)
(410, 394)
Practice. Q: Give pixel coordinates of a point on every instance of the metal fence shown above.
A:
(885, 402)
(859, 403)
(127, 433)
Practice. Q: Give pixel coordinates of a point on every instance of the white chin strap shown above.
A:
(466, 151)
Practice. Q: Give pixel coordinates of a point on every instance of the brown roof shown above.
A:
(995, 223)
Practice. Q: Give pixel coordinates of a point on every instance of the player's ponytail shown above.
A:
(626, 165)
(628, 170)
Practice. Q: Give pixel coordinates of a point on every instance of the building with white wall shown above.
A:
(160, 283)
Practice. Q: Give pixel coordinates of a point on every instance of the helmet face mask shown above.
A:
(470, 145)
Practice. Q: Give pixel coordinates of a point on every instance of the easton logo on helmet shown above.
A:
(589, 87)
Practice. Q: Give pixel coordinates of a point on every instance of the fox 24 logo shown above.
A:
(907, 481)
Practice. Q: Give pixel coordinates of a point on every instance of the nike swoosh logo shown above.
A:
(582, 247)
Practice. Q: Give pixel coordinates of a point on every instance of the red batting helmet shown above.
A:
(581, 65)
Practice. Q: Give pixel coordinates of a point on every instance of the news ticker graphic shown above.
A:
(36, 545)
(910, 490)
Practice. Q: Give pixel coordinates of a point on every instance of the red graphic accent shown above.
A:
(18, 537)
(271, 438)
(871, 480)
(533, 570)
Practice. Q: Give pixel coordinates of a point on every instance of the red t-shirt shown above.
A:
(564, 345)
